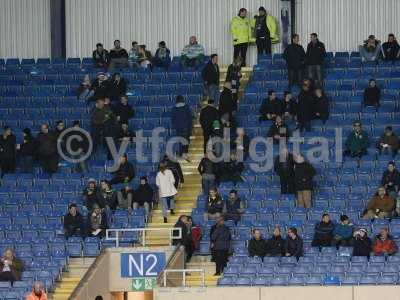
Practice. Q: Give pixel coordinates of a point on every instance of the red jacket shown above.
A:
(388, 246)
(196, 237)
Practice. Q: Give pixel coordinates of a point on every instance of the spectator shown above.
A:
(275, 244)
(293, 244)
(123, 111)
(241, 144)
(182, 122)
(295, 56)
(389, 142)
(85, 90)
(271, 107)
(133, 56)
(186, 238)
(27, 151)
(165, 182)
(279, 132)
(118, 87)
(196, 234)
(11, 267)
(145, 58)
(391, 49)
(323, 232)
(380, 206)
(125, 134)
(100, 56)
(266, 31)
(304, 107)
(101, 87)
(125, 172)
(192, 54)
(284, 167)
(303, 181)
(231, 170)
(384, 244)
(125, 198)
(320, 106)
(38, 292)
(357, 142)
(233, 75)
(143, 196)
(241, 34)
(7, 151)
(361, 243)
(73, 222)
(118, 56)
(372, 94)
(370, 50)
(107, 196)
(60, 127)
(315, 56)
(47, 149)
(98, 119)
(391, 180)
(233, 207)
(221, 243)
(91, 194)
(343, 232)
(176, 169)
(162, 57)
(97, 222)
(207, 170)
(208, 115)
(227, 105)
(289, 105)
(214, 205)
(257, 245)
(210, 75)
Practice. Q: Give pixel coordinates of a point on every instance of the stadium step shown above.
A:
(201, 262)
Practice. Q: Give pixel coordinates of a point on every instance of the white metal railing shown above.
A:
(184, 271)
(142, 231)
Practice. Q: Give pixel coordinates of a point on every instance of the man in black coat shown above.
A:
(101, 87)
(284, 167)
(320, 106)
(186, 237)
(304, 173)
(221, 243)
(276, 244)
(391, 49)
(123, 111)
(257, 245)
(279, 131)
(118, 87)
(227, 104)
(271, 107)
(295, 56)
(304, 107)
(100, 56)
(315, 56)
(143, 195)
(73, 222)
(208, 115)
(47, 149)
(210, 75)
(7, 151)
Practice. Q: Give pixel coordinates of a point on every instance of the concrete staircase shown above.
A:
(201, 262)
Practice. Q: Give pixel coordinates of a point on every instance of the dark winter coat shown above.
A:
(91, 197)
(323, 234)
(372, 96)
(118, 53)
(284, 169)
(271, 107)
(362, 247)
(208, 115)
(221, 238)
(72, 223)
(181, 117)
(28, 147)
(315, 53)
(143, 194)
(100, 58)
(294, 247)
(275, 246)
(124, 112)
(289, 107)
(210, 74)
(117, 89)
(304, 107)
(303, 176)
(7, 147)
(257, 247)
(215, 205)
(126, 170)
(391, 50)
(206, 166)
(47, 144)
(226, 103)
(186, 238)
(321, 106)
(281, 130)
(391, 180)
(295, 56)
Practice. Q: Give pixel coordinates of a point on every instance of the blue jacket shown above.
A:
(221, 238)
(344, 231)
(181, 116)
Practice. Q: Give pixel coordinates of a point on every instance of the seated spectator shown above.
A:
(289, 106)
(144, 57)
(27, 151)
(186, 238)
(384, 244)
(361, 243)
(125, 134)
(241, 144)
(133, 55)
(380, 206)
(231, 170)
(100, 56)
(125, 198)
(284, 167)
(343, 232)
(162, 58)
(73, 222)
(257, 245)
(210, 75)
(391, 49)
(8, 147)
(221, 244)
(271, 107)
(143, 196)
(389, 142)
(275, 244)
(118, 56)
(47, 149)
(323, 232)
(391, 180)
(38, 292)
(233, 207)
(123, 111)
(304, 173)
(97, 222)
(125, 172)
(370, 50)
(101, 87)
(293, 244)
(85, 90)
(278, 131)
(11, 267)
(372, 94)
(195, 231)
(320, 106)
(192, 54)
(227, 105)
(107, 196)
(118, 87)
(208, 171)
(357, 142)
(90, 194)
(214, 205)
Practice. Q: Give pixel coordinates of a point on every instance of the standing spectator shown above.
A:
(323, 232)
(125, 172)
(391, 180)
(227, 105)
(343, 232)
(90, 194)
(97, 119)
(85, 90)
(315, 56)
(101, 87)
(123, 111)
(380, 206)
(145, 58)
(293, 244)
(370, 50)
(372, 94)
(384, 244)
(275, 244)
(38, 292)
(165, 182)
(117, 87)
(133, 55)
(391, 49)
(271, 107)
(241, 34)
(100, 56)
(186, 238)
(73, 222)
(320, 106)
(118, 56)
(214, 205)
(304, 107)
(192, 54)
(303, 181)
(357, 142)
(233, 75)
(207, 170)
(257, 245)
(221, 243)
(389, 142)
(125, 198)
(361, 243)
(233, 207)
(47, 149)
(97, 222)
(107, 196)
(279, 132)
(210, 75)
(208, 115)
(266, 31)
(182, 122)
(284, 167)
(195, 230)
(7, 151)
(162, 58)
(11, 267)
(295, 56)
(27, 151)
(143, 196)
(176, 169)
(289, 111)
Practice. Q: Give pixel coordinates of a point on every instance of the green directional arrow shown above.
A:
(138, 284)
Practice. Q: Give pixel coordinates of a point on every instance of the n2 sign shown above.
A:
(142, 264)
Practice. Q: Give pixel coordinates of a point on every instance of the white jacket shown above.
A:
(165, 183)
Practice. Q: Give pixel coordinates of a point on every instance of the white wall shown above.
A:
(25, 28)
(150, 21)
(343, 24)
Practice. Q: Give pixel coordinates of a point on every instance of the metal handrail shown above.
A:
(143, 231)
(184, 271)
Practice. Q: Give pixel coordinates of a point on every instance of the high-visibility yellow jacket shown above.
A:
(240, 30)
(273, 28)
